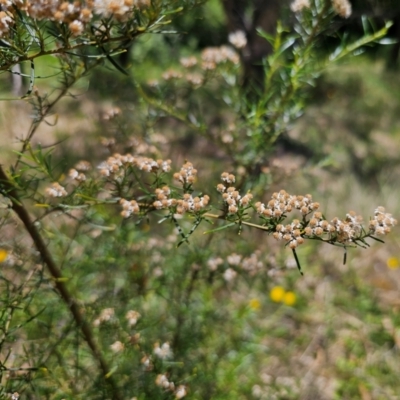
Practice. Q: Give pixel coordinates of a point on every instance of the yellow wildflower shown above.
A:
(289, 298)
(393, 263)
(277, 294)
(3, 255)
(255, 304)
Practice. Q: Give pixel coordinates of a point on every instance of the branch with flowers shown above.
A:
(139, 185)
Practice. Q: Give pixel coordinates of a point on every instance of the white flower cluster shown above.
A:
(282, 203)
(342, 7)
(187, 204)
(163, 382)
(299, 5)
(188, 62)
(132, 316)
(187, 174)
(129, 207)
(231, 196)
(56, 190)
(75, 14)
(291, 233)
(164, 352)
(238, 39)
(382, 222)
(344, 231)
(106, 315)
(117, 162)
(6, 21)
(212, 56)
(76, 175)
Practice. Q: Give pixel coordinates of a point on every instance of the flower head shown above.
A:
(164, 352)
(342, 7)
(3, 255)
(238, 39)
(381, 223)
(56, 190)
(277, 294)
(187, 174)
(117, 346)
(299, 5)
(393, 262)
(132, 317)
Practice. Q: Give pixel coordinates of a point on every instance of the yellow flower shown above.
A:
(255, 304)
(289, 298)
(393, 263)
(3, 255)
(277, 294)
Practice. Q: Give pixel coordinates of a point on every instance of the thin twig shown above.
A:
(9, 190)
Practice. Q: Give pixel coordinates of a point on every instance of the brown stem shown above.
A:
(10, 191)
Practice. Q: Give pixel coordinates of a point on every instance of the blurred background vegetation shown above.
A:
(241, 323)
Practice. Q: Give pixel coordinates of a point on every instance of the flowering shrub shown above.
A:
(120, 177)
(96, 301)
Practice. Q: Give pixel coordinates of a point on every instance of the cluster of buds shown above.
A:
(132, 316)
(56, 190)
(238, 39)
(191, 204)
(282, 203)
(188, 62)
(163, 352)
(187, 174)
(381, 223)
(106, 315)
(75, 14)
(163, 201)
(231, 196)
(187, 204)
(341, 7)
(171, 74)
(163, 382)
(291, 233)
(76, 175)
(345, 232)
(83, 166)
(211, 56)
(118, 162)
(6, 22)
(129, 207)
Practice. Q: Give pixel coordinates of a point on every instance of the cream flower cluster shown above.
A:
(187, 174)
(106, 315)
(291, 233)
(187, 204)
(231, 196)
(6, 21)
(129, 207)
(212, 56)
(75, 14)
(56, 190)
(163, 382)
(341, 7)
(282, 203)
(238, 39)
(382, 222)
(118, 162)
(76, 175)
